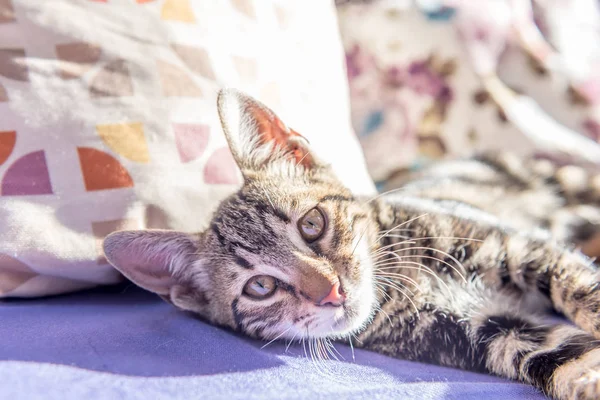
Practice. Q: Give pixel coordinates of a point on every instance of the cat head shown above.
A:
(286, 256)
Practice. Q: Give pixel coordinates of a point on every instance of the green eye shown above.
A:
(312, 225)
(260, 287)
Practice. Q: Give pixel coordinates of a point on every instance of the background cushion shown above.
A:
(108, 119)
(419, 79)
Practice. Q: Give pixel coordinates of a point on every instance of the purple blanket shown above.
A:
(123, 343)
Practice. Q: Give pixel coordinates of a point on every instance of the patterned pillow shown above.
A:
(423, 87)
(108, 119)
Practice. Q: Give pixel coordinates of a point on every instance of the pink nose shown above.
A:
(335, 296)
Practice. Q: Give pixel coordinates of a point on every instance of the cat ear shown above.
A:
(257, 137)
(158, 261)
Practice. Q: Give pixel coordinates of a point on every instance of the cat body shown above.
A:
(450, 269)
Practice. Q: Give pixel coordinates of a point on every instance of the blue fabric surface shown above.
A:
(123, 343)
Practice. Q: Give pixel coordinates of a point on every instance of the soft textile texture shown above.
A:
(128, 344)
(108, 119)
(422, 78)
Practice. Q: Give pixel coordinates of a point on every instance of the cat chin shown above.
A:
(355, 317)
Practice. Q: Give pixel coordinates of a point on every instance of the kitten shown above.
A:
(424, 274)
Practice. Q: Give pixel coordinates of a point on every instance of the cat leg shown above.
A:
(562, 361)
(570, 280)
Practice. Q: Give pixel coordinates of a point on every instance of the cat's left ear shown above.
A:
(258, 138)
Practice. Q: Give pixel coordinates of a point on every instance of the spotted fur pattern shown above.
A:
(455, 268)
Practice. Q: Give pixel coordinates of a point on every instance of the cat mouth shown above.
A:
(352, 318)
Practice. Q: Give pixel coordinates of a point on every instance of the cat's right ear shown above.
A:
(163, 262)
(258, 139)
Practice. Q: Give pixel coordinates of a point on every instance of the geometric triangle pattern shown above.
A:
(102, 171)
(176, 82)
(108, 119)
(126, 139)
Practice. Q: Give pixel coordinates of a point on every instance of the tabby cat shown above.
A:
(450, 270)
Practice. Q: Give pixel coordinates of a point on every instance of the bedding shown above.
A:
(124, 343)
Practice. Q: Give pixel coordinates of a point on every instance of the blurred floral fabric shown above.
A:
(434, 78)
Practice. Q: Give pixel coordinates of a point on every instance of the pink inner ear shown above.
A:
(146, 257)
(271, 128)
(149, 269)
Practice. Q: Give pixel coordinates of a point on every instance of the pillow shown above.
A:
(416, 101)
(108, 119)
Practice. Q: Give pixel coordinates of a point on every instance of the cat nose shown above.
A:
(335, 297)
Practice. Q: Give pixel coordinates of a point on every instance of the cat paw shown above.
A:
(586, 308)
(588, 386)
(592, 305)
(580, 379)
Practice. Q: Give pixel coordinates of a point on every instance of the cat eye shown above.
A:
(312, 225)
(260, 287)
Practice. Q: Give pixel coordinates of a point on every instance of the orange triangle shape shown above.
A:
(101, 171)
(7, 144)
(178, 10)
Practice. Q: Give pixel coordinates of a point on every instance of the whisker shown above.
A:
(385, 234)
(389, 280)
(405, 295)
(379, 309)
(322, 352)
(403, 277)
(455, 269)
(399, 264)
(424, 238)
(336, 350)
(420, 267)
(315, 357)
(277, 337)
(360, 238)
(383, 292)
(433, 258)
(405, 222)
(310, 352)
(382, 254)
(351, 347)
(268, 197)
(291, 341)
(384, 193)
(304, 345)
(379, 238)
(302, 159)
(444, 237)
(397, 285)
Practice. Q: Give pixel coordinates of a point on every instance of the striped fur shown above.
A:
(455, 268)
